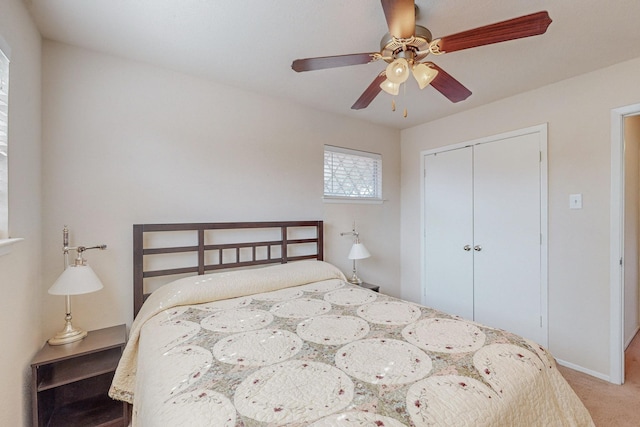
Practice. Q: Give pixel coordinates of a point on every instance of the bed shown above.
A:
(266, 333)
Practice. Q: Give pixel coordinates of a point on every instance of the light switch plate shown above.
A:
(575, 201)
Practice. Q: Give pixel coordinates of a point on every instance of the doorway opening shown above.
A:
(625, 234)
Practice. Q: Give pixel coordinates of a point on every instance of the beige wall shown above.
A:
(578, 113)
(126, 143)
(20, 269)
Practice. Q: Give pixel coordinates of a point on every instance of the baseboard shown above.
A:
(598, 375)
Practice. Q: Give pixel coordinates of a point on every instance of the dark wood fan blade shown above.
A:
(516, 28)
(401, 17)
(448, 86)
(369, 93)
(311, 64)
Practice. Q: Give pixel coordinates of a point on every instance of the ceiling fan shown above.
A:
(407, 44)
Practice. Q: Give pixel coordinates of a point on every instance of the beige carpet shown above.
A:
(609, 404)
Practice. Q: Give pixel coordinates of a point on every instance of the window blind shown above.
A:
(352, 174)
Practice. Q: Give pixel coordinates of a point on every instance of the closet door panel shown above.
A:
(507, 282)
(448, 229)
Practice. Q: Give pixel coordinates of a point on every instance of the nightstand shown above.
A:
(374, 288)
(70, 382)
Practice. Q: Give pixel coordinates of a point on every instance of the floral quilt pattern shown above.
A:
(333, 354)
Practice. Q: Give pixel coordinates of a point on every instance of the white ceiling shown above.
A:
(250, 44)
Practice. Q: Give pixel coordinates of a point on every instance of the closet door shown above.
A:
(448, 222)
(507, 235)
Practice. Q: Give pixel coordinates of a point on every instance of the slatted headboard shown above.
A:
(279, 243)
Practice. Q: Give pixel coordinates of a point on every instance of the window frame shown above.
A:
(5, 61)
(376, 178)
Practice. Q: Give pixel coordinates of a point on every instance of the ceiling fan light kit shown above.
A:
(407, 44)
(398, 71)
(390, 87)
(424, 74)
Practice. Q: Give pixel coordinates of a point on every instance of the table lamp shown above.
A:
(76, 279)
(358, 251)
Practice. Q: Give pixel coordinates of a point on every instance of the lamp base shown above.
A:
(68, 335)
(355, 279)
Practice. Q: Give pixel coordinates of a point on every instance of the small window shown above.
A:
(4, 146)
(351, 174)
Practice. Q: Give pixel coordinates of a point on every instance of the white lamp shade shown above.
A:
(390, 87)
(76, 280)
(398, 71)
(424, 74)
(358, 251)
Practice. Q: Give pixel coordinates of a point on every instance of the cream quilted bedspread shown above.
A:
(296, 345)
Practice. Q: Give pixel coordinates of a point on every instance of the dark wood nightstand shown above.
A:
(374, 288)
(70, 382)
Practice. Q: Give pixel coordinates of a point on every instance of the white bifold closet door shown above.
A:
(448, 211)
(483, 234)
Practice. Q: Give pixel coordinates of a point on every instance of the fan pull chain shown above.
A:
(404, 93)
(393, 102)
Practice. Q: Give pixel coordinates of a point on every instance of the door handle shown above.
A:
(477, 248)
(467, 248)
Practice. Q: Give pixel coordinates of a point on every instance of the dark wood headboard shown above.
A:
(237, 249)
